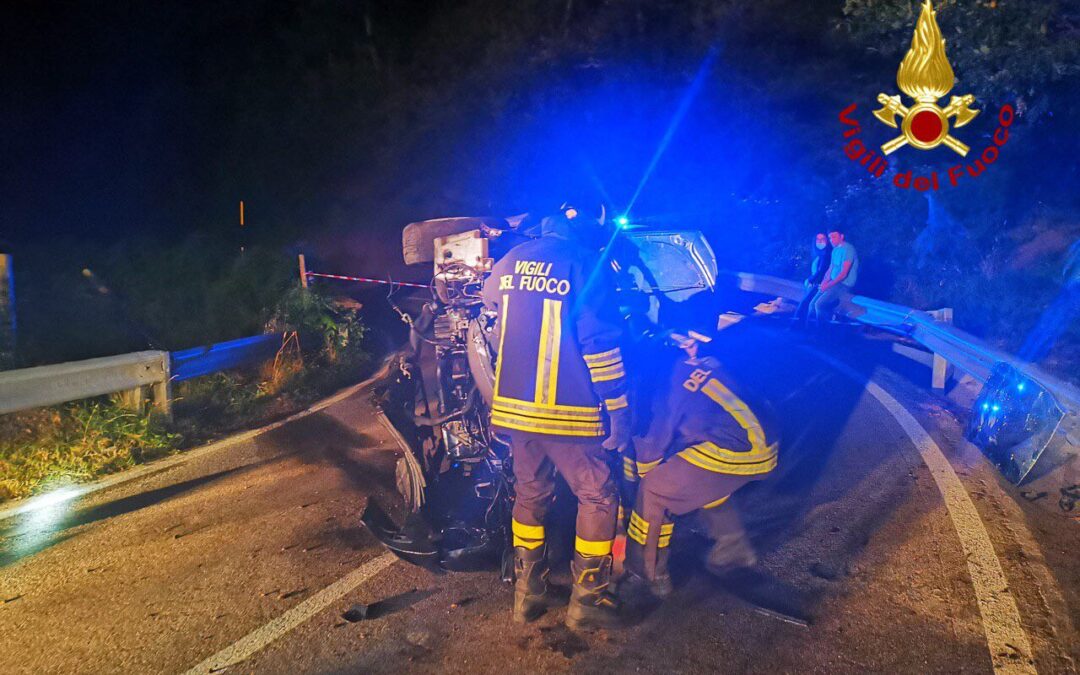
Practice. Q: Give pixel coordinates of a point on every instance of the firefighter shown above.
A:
(703, 443)
(559, 374)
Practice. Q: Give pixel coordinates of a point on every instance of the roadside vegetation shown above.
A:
(51, 447)
(323, 349)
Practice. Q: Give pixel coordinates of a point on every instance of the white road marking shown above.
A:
(1000, 617)
(259, 638)
(77, 491)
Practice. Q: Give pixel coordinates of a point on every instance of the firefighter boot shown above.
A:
(591, 605)
(635, 589)
(730, 552)
(531, 594)
(660, 586)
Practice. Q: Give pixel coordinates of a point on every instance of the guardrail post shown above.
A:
(133, 399)
(941, 372)
(163, 389)
(941, 366)
(303, 271)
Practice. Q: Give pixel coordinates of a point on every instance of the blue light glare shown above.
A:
(985, 407)
(996, 407)
(622, 221)
(1020, 387)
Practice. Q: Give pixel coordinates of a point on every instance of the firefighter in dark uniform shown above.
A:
(558, 378)
(704, 442)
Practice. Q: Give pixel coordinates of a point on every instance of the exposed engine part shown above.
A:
(455, 476)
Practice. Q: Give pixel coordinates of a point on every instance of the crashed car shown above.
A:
(455, 475)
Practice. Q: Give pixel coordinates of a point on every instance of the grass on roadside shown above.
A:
(50, 447)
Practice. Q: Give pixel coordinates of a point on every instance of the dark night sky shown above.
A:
(90, 116)
(124, 118)
(116, 115)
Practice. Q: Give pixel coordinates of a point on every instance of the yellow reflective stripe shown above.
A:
(541, 426)
(502, 339)
(738, 409)
(586, 411)
(548, 415)
(616, 403)
(638, 530)
(605, 370)
(645, 467)
(531, 544)
(592, 548)
(544, 421)
(664, 542)
(703, 461)
(547, 357)
(576, 433)
(607, 374)
(714, 451)
(542, 363)
(600, 357)
(629, 468)
(553, 351)
(722, 461)
(527, 531)
(606, 363)
(549, 428)
(718, 502)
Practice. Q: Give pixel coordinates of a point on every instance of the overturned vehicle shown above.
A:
(455, 475)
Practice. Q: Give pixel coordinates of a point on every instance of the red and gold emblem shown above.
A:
(925, 75)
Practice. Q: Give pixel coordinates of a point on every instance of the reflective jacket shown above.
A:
(559, 364)
(699, 417)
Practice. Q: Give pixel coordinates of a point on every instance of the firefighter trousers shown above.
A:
(584, 466)
(675, 488)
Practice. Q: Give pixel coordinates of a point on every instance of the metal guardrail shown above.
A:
(128, 374)
(947, 342)
(201, 361)
(1014, 446)
(49, 385)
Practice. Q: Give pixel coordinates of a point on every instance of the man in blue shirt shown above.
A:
(839, 280)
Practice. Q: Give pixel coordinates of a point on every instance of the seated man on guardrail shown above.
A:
(839, 280)
(819, 265)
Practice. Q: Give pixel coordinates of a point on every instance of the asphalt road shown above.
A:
(250, 554)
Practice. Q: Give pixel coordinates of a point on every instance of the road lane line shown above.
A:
(1000, 617)
(261, 637)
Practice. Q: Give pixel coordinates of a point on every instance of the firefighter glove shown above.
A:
(619, 437)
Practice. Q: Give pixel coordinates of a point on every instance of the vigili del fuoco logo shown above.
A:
(925, 76)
